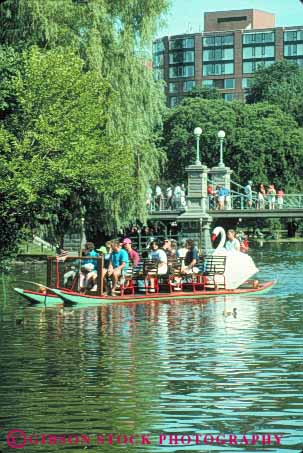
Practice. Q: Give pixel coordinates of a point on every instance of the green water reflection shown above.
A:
(176, 367)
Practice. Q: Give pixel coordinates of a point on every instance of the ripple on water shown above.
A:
(169, 367)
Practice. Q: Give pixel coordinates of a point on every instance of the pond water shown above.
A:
(229, 365)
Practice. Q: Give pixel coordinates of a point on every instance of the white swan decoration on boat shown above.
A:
(239, 266)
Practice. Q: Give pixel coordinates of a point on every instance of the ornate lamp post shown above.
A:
(198, 132)
(221, 136)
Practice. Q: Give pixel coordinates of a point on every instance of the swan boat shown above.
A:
(232, 279)
(56, 296)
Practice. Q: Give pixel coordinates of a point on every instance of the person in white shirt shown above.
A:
(177, 195)
(158, 255)
(232, 244)
(158, 197)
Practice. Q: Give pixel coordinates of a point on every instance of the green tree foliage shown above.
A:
(204, 93)
(280, 84)
(9, 64)
(87, 108)
(262, 142)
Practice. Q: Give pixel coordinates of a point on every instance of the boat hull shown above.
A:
(75, 298)
(35, 297)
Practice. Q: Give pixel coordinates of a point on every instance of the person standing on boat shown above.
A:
(232, 243)
(118, 264)
(134, 256)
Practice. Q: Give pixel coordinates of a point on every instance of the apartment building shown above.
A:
(226, 55)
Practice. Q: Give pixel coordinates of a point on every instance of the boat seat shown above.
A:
(175, 276)
(127, 282)
(195, 281)
(214, 270)
(150, 273)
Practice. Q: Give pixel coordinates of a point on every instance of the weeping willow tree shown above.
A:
(111, 38)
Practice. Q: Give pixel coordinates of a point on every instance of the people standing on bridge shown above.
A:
(149, 197)
(271, 196)
(248, 194)
(211, 197)
(169, 198)
(280, 198)
(158, 197)
(221, 198)
(227, 203)
(177, 196)
(261, 196)
(183, 197)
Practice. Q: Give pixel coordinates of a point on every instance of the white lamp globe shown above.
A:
(198, 131)
(221, 134)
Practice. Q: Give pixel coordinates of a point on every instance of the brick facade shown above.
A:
(226, 54)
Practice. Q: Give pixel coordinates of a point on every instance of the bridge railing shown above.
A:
(235, 200)
(242, 202)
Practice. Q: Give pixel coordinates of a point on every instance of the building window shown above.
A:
(158, 46)
(218, 41)
(158, 74)
(186, 43)
(298, 61)
(182, 57)
(250, 38)
(189, 56)
(218, 69)
(188, 85)
(208, 83)
(158, 60)
(247, 83)
(181, 71)
(221, 20)
(293, 35)
(229, 84)
(259, 52)
(228, 96)
(218, 54)
(251, 66)
(292, 50)
(173, 87)
(173, 101)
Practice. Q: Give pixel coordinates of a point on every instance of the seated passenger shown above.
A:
(88, 277)
(158, 255)
(108, 251)
(118, 264)
(134, 256)
(90, 251)
(70, 275)
(191, 259)
(89, 268)
(232, 243)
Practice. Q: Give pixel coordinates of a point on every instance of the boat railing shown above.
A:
(66, 272)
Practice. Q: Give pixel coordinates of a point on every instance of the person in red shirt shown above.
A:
(211, 197)
(133, 255)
